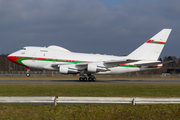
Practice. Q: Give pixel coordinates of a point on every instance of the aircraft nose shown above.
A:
(11, 58)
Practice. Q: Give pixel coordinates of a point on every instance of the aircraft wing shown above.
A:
(82, 64)
(57, 65)
(117, 62)
(153, 63)
(110, 62)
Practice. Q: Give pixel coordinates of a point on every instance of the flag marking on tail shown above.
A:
(156, 42)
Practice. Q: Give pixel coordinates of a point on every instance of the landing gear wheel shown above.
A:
(81, 79)
(90, 79)
(85, 78)
(27, 74)
(94, 79)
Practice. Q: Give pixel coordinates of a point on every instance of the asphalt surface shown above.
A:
(96, 82)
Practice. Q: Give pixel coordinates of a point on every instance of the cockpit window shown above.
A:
(23, 48)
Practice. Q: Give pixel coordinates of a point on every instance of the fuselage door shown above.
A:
(34, 57)
(54, 60)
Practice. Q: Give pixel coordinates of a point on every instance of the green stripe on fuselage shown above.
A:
(158, 43)
(21, 59)
(130, 66)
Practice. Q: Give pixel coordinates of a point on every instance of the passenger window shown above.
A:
(43, 51)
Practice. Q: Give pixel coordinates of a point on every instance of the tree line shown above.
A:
(8, 66)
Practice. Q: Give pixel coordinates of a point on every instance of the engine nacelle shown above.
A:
(92, 68)
(63, 69)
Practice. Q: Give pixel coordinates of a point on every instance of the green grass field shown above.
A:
(96, 90)
(90, 112)
(97, 111)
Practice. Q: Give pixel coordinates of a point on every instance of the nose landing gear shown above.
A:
(28, 73)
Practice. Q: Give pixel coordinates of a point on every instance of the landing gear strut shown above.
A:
(28, 73)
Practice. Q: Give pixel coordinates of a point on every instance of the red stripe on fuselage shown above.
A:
(14, 59)
(151, 41)
(129, 65)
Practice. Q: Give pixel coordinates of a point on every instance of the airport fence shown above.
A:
(56, 73)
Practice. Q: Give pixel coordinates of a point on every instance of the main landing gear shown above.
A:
(90, 78)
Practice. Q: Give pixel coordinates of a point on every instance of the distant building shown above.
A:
(173, 70)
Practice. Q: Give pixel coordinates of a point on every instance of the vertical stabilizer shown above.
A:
(151, 49)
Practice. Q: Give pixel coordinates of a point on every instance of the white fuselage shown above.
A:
(53, 57)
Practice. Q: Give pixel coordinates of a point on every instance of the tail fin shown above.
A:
(151, 49)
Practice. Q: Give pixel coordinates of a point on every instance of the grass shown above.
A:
(88, 112)
(96, 90)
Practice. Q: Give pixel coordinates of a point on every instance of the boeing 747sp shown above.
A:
(87, 65)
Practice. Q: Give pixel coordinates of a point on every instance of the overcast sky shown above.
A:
(114, 27)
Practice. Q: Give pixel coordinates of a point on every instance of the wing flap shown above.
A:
(153, 63)
(82, 64)
(117, 62)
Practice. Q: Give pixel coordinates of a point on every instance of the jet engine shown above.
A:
(93, 68)
(65, 70)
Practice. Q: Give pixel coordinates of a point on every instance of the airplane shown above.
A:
(57, 58)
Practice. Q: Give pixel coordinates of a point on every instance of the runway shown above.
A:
(96, 82)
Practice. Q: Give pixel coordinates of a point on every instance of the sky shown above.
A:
(113, 27)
